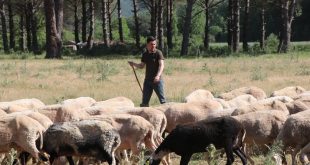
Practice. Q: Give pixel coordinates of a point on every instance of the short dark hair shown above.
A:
(150, 39)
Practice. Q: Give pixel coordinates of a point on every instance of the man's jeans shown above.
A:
(148, 88)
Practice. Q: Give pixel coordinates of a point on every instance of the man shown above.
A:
(153, 59)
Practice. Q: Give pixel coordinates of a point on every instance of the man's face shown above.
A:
(151, 46)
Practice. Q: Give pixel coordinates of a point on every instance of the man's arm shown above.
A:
(160, 70)
(140, 65)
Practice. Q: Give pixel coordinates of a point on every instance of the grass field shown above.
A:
(55, 80)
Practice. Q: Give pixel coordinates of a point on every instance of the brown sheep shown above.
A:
(199, 95)
(155, 117)
(135, 132)
(260, 106)
(181, 113)
(291, 91)
(21, 133)
(62, 113)
(295, 134)
(117, 102)
(262, 127)
(258, 93)
(25, 103)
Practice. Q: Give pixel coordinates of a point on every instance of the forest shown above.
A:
(57, 28)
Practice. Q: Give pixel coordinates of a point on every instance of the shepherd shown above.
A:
(153, 59)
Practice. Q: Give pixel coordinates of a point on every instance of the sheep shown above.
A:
(155, 117)
(261, 105)
(117, 102)
(223, 102)
(291, 91)
(180, 113)
(78, 103)
(296, 106)
(42, 119)
(26, 103)
(21, 133)
(136, 133)
(87, 138)
(295, 134)
(258, 93)
(198, 95)
(2, 113)
(262, 127)
(284, 99)
(241, 100)
(62, 113)
(191, 138)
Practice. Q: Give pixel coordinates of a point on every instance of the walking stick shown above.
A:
(134, 71)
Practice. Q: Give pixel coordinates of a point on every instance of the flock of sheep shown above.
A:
(105, 131)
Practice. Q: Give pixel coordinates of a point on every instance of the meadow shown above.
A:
(52, 81)
(102, 78)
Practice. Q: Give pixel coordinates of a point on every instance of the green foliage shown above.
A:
(257, 74)
(105, 70)
(271, 43)
(11, 156)
(276, 148)
(198, 21)
(126, 30)
(144, 20)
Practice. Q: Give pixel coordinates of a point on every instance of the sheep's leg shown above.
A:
(229, 153)
(303, 154)
(185, 159)
(70, 160)
(241, 155)
(246, 152)
(294, 153)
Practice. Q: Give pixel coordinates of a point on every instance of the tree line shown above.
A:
(21, 22)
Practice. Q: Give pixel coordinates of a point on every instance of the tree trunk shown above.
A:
(137, 24)
(287, 12)
(245, 25)
(11, 26)
(34, 28)
(187, 27)
(105, 23)
(4, 30)
(109, 12)
(90, 39)
(52, 38)
(84, 21)
(76, 23)
(236, 26)
(263, 24)
(160, 25)
(59, 16)
(28, 28)
(169, 23)
(230, 24)
(21, 33)
(120, 24)
(153, 18)
(207, 28)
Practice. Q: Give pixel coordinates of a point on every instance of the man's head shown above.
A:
(151, 44)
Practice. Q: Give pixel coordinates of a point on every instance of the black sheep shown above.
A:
(187, 139)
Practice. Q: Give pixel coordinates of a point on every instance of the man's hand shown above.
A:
(131, 63)
(156, 79)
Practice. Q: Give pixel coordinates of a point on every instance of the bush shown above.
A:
(271, 43)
